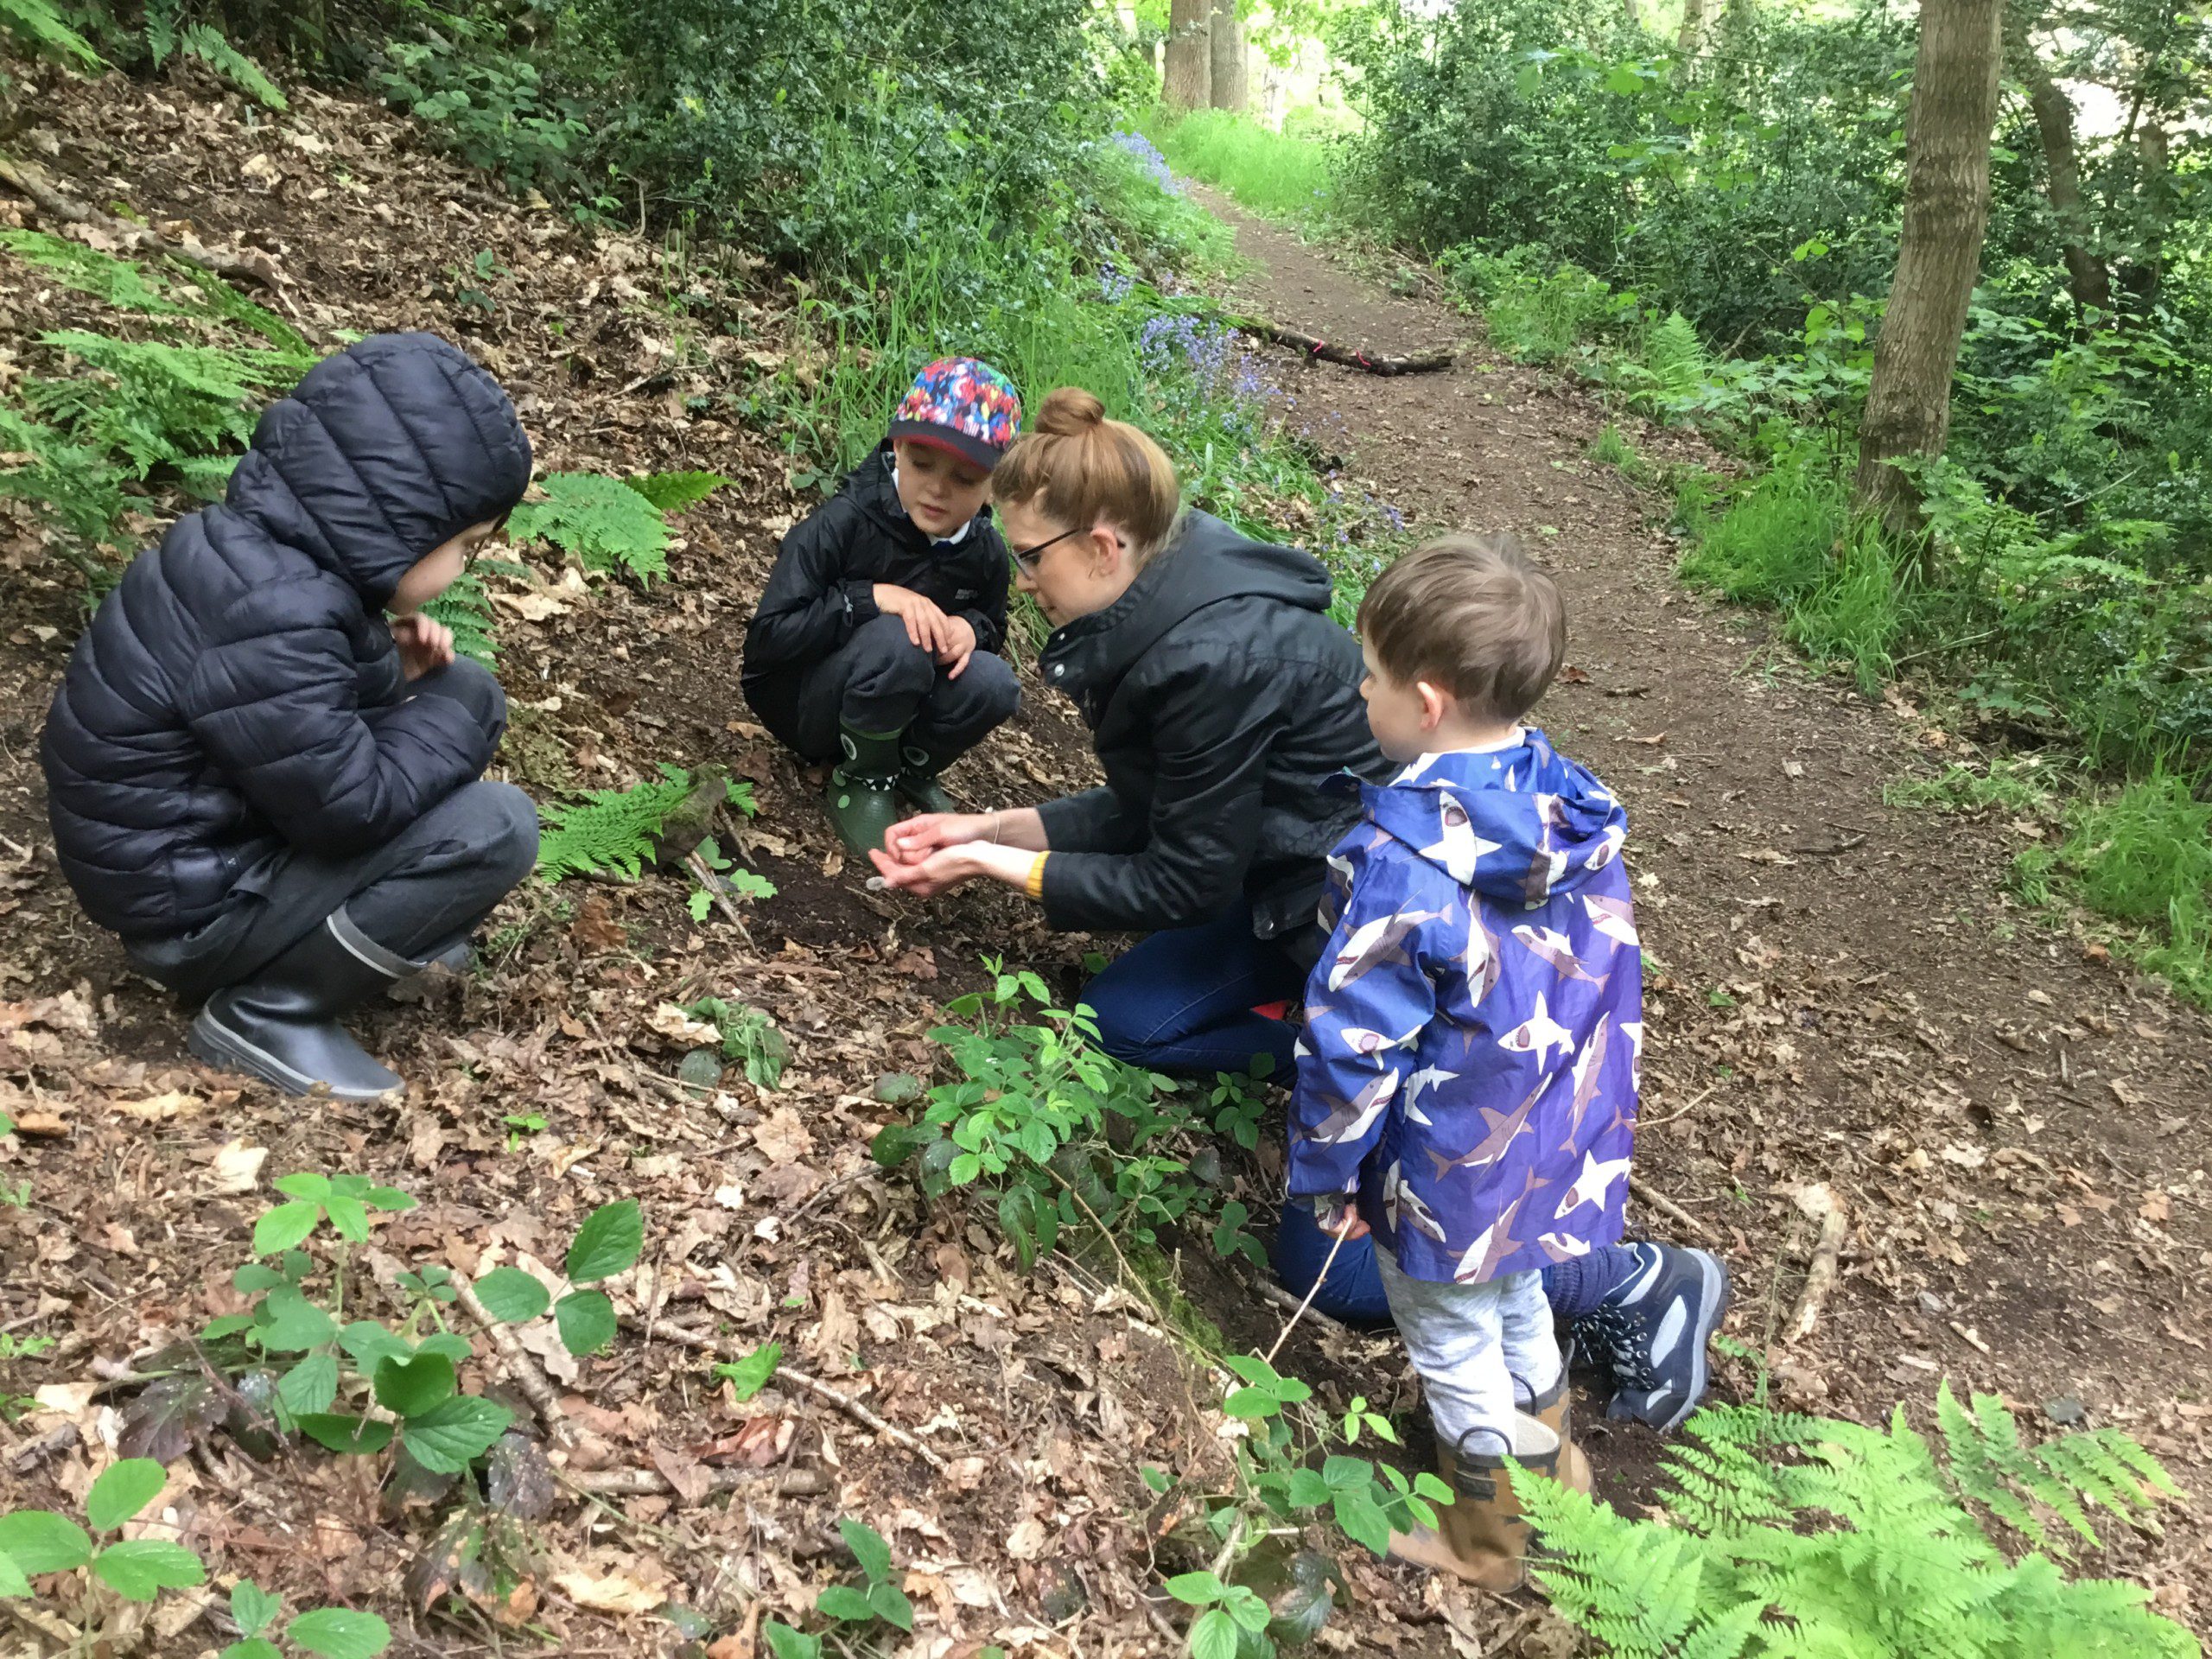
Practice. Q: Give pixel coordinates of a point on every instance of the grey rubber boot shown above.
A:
(281, 1024)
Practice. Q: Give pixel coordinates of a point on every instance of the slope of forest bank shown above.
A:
(1842, 995)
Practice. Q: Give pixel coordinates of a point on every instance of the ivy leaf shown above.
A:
(311, 1385)
(139, 1569)
(283, 1227)
(252, 1607)
(788, 1643)
(586, 1320)
(610, 1242)
(511, 1296)
(355, 1436)
(340, 1633)
(39, 1541)
(449, 1436)
(1214, 1637)
(868, 1549)
(842, 1601)
(409, 1388)
(748, 1376)
(290, 1323)
(1199, 1589)
(122, 1490)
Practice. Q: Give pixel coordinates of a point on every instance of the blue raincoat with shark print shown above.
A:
(1468, 1068)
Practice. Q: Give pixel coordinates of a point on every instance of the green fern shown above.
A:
(157, 404)
(466, 608)
(41, 30)
(77, 490)
(218, 299)
(611, 831)
(118, 282)
(207, 44)
(1792, 1537)
(603, 523)
(673, 491)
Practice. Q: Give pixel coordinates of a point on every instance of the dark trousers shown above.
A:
(1181, 1002)
(421, 892)
(880, 682)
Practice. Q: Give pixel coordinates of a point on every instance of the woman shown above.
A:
(1219, 695)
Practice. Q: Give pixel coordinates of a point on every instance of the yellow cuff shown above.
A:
(1034, 886)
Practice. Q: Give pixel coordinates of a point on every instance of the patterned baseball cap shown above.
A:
(963, 406)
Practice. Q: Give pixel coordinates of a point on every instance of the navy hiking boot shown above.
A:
(1650, 1333)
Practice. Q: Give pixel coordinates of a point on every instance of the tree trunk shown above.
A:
(2086, 277)
(1188, 84)
(1231, 89)
(1939, 251)
(2141, 275)
(1692, 33)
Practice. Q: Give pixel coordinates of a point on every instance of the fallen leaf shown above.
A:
(531, 608)
(681, 1028)
(159, 1109)
(618, 1592)
(1028, 1540)
(1652, 742)
(41, 1122)
(2156, 1207)
(781, 1137)
(238, 1167)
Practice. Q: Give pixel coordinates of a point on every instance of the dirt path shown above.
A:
(1841, 991)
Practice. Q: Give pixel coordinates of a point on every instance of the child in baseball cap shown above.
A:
(874, 643)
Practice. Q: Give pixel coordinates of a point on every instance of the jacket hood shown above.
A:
(379, 455)
(1520, 825)
(1206, 563)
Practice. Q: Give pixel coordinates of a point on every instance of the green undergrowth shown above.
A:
(1281, 175)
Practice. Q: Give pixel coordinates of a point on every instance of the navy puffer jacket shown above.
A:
(238, 693)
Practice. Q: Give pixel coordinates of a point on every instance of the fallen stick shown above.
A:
(1646, 1193)
(643, 1483)
(1350, 357)
(712, 885)
(522, 1368)
(820, 1390)
(57, 204)
(1282, 1298)
(1818, 1202)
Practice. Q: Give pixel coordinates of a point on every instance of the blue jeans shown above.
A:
(1181, 1002)
(1353, 1290)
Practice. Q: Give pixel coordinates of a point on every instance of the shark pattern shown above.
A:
(1614, 918)
(1457, 847)
(1593, 1185)
(1377, 943)
(1538, 1034)
(1554, 948)
(1494, 1244)
(1349, 1120)
(1587, 1067)
(1398, 1197)
(1504, 1129)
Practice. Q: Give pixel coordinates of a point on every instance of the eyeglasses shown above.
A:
(1027, 557)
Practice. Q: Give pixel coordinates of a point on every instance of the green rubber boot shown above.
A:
(863, 797)
(918, 772)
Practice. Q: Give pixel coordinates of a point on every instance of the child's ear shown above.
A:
(1435, 704)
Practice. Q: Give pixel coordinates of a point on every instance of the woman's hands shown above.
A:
(937, 851)
(425, 646)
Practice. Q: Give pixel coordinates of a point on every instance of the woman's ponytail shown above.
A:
(1081, 468)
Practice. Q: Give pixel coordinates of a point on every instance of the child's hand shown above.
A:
(1343, 1224)
(926, 625)
(959, 646)
(425, 646)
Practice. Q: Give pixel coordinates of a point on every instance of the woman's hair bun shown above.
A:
(1069, 410)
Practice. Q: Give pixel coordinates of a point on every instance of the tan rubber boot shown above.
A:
(1552, 1410)
(1483, 1537)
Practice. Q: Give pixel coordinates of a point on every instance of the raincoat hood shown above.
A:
(1518, 824)
(381, 454)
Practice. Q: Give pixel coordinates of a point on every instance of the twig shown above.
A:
(53, 1443)
(641, 1483)
(1647, 1193)
(522, 1368)
(1347, 356)
(820, 1390)
(57, 204)
(1283, 1300)
(1227, 1553)
(1818, 1202)
(45, 1624)
(711, 884)
(1312, 1291)
(1842, 846)
(1643, 1123)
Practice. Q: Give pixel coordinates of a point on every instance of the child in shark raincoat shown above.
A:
(1467, 1076)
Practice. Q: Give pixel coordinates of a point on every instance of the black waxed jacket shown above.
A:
(822, 587)
(238, 693)
(1219, 694)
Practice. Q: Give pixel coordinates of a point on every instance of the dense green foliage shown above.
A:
(1820, 1539)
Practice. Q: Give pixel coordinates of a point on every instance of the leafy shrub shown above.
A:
(749, 1038)
(492, 105)
(1788, 1536)
(1537, 308)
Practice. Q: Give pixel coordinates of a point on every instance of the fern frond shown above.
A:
(466, 609)
(167, 402)
(118, 282)
(673, 491)
(207, 44)
(603, 522)
(1725, 1635)
(219, 299)
(611, 830)
(75, 487)
(40, 29)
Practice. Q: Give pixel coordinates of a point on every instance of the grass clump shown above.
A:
(1278, 174)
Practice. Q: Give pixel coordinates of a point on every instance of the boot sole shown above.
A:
(220, 1046)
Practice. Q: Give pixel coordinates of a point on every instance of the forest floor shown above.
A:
(1839, 991)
